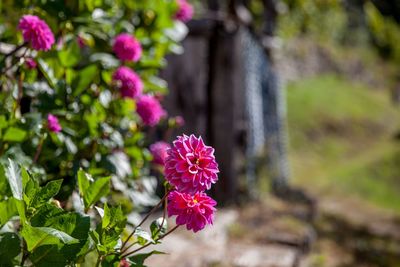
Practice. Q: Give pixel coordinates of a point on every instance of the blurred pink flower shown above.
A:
(185, 11)
(159, 152)
(149, 109)
(180, 121)
(124, 263)
(190, 165)
(128, 81)
(53, 124)
(127, 48)
(81, 41)
(30, 63)
(194, 211)
(37, 32)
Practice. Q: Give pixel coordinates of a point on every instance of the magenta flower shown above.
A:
(194, 211)
(149, 110)
(81, 41)
(185, 11)
(127, 48)
(128, 81)
(53, 124)
(190, 165)
(30, 63)
(37, 32)
(159, 152)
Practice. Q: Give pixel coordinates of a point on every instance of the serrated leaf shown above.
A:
(47, 192)
(92, 192)
(97, 190)
(113, 217)
(39, 236)
(113, 224)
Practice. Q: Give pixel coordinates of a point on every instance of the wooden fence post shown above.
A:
(226, 108)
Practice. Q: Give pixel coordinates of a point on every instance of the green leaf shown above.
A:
(30, 191)
(5, 190)
(21, 207)
(143, 236)
(7, 210)
(84, 79)
(92, 192)
(113, 217)
(46, 212)
(106, 60)
(3, 122)
(47, 192)
(70, 56)
(39, 236)
(13, 174)
(138, 259)
(14, 134)
(72, 223)
(113, 224)
(10, 247)
(158, 227)
(49, 256)
(84, 180)
(47, 72)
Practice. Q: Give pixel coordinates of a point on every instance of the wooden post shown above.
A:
(187, 77)
(226, 106)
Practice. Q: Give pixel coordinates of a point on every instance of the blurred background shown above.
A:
(300, 99)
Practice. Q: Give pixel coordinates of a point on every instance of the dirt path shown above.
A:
(271, 234)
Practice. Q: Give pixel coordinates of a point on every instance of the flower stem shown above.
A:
(98, 261)
(148, 244)
(144, 219)
(39, 148)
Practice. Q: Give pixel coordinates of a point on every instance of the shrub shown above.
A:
(80, 94)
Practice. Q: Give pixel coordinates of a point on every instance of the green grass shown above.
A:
(342, 140)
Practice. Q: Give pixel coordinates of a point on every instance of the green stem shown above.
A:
(99, 259)
(148, 244)
(144, 219)
(39, 148)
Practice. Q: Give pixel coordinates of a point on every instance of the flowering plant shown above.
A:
(78, 84)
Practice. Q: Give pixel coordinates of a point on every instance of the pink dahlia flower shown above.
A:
(159, 152)
(53, 124)
(128, 81)
(127, 48)
(37, 32)
(149, 110)
(185, 11)
(30, 63)
(194, 211)
(190, 165)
